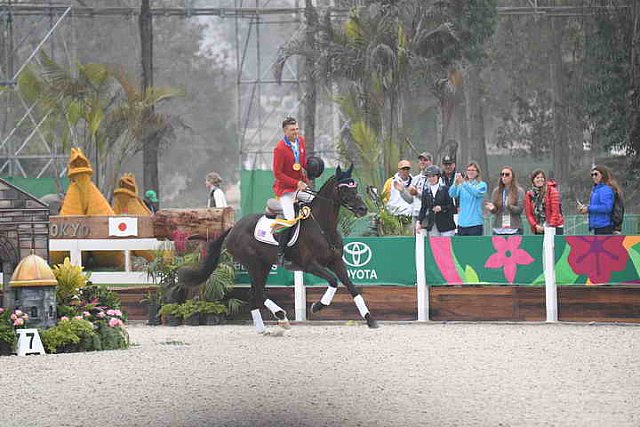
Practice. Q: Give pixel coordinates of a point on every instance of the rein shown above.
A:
(314, 193)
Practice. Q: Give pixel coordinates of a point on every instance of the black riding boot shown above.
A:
(283, 239)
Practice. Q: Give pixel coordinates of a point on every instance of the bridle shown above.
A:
(346, 183)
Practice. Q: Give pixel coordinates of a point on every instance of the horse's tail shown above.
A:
(194, 276)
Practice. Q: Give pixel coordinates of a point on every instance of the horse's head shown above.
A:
(348, 192)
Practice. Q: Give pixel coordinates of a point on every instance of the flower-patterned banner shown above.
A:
(517, 260)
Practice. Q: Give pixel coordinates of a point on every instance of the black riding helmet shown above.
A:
(432, 170)
(315, 167)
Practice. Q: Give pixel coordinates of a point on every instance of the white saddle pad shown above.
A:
(262, 233)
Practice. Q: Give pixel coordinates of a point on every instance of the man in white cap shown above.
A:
(396, 196)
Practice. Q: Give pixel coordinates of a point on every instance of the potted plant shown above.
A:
(171, 314)
(153, 299)
(190, 312)
(212, 312)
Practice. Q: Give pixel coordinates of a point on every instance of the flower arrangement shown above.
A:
(91, 320)
(8, 336)
(19, 318)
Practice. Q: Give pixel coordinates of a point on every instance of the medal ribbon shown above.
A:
(295, 149)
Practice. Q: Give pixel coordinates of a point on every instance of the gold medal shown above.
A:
(296, 166)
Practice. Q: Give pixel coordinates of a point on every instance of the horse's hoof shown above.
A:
(273, 333)
(371, 322)
(317, 306)
(284, 324)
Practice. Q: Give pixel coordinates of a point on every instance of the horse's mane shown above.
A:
(328, 185)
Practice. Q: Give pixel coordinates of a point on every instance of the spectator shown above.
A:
(151, 201)
(396, 196)
(448, 171)
(600, 207)
(507, 204)
(418, 182)
(216, 195)
(470, 190)
(436, 212)
(542, 204)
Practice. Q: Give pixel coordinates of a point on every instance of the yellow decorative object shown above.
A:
(280, 224)
(83, 197)
(126, 199)
(33, 271)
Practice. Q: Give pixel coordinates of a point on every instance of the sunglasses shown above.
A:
(595, 173)
(505, 174)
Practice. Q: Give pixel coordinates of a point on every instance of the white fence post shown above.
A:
(548, 265)
(300, 296)
(421, 279)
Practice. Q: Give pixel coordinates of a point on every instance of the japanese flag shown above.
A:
(122, 226)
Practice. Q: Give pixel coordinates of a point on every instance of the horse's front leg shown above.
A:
(278, 313)
(340, 270)
(318, 270)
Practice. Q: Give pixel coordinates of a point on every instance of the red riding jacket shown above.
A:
(552, 207)
(286, 178)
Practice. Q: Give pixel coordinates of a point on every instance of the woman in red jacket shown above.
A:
(543, 205)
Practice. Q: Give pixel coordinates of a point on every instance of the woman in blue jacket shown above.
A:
(470, 191)
(600, 205)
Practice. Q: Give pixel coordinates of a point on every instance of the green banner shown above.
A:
(369, 261)
(496, 260)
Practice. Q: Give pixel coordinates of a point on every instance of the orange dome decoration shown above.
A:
(83, 197)
(33, 271)
(126, 199)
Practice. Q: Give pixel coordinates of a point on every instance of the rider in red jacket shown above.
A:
(290, 173)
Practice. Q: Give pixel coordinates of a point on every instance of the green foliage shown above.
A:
(111, 338)
(212, 307)
(96, 107)
(476, 21)
(170, 309)
(221, 282)
(100, 295)
(188, 308)
(70, 280)
(8, 336)
(70, 336)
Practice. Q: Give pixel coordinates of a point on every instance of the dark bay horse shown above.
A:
(318, 251)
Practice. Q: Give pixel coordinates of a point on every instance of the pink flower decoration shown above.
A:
(1, 310)
(101, 315)
(13, 316)
(18, 322)
(86, 314)
(114, 312)
(78, 317)
(597, 256)
(508, 255)
(113, 322)
(18, 312)
(64, 319)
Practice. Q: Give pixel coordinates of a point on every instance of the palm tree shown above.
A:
(97, 108)
(374, 57)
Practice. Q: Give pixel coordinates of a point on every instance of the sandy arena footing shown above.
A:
(434, 374)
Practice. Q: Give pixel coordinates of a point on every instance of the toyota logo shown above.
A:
(356, 254)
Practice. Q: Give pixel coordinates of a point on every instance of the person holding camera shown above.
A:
(470, 191)
(601, 202)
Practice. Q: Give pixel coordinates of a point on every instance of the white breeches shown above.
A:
(287, 200)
